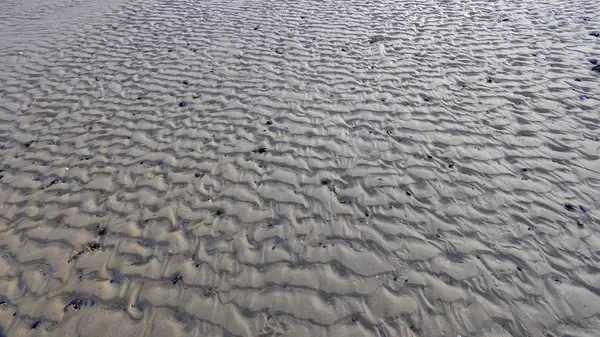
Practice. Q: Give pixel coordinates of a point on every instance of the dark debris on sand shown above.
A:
(376, 38)
(78, 304)
(176, 278)
(90, 247)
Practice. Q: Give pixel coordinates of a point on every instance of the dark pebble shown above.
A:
(529, 228)
(182, 104)
(367, 214)
(325, 181)
(594, 34)
(177, 278)
(520, 268)
(408, 193)
(269, 122)
(593, 61)
(260, 150)
(198, 175)
(102, 232)
(35, 325)
(450, 165)
(429, 157)
(577, 79)
(490, 80)
(93, 246)
(570, 207)
(186, 82)
(219, 213)
(524, 170)
(596, 68)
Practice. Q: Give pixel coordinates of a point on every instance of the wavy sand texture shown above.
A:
(299, 168)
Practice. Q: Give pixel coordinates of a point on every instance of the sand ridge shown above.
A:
(299, 168)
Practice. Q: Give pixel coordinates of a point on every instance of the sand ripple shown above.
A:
(299, 168)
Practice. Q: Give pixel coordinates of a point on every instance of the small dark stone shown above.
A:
(437, 235)
(93, 246)
(260, 150)
(396, 278)
(367, 214)
(596, 68)
(524, 170)
(429, 157)
(219, 213)
(198, 174)
(279, 51)
(170, 50)
(406, 281)
(325, 182)
(594, 34)
(450, 165)
(186, 82)
(35, 325)
(529, 228)
(344, 49)
(577, 79)
(176, 278)
(519, 268)
(102, 232)
(28, 144)
(593, 61)
(182, 104)
(408, 193)
(489, 80)
(570, 207)
(269, 122)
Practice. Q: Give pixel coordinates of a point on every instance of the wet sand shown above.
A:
(299, 168)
